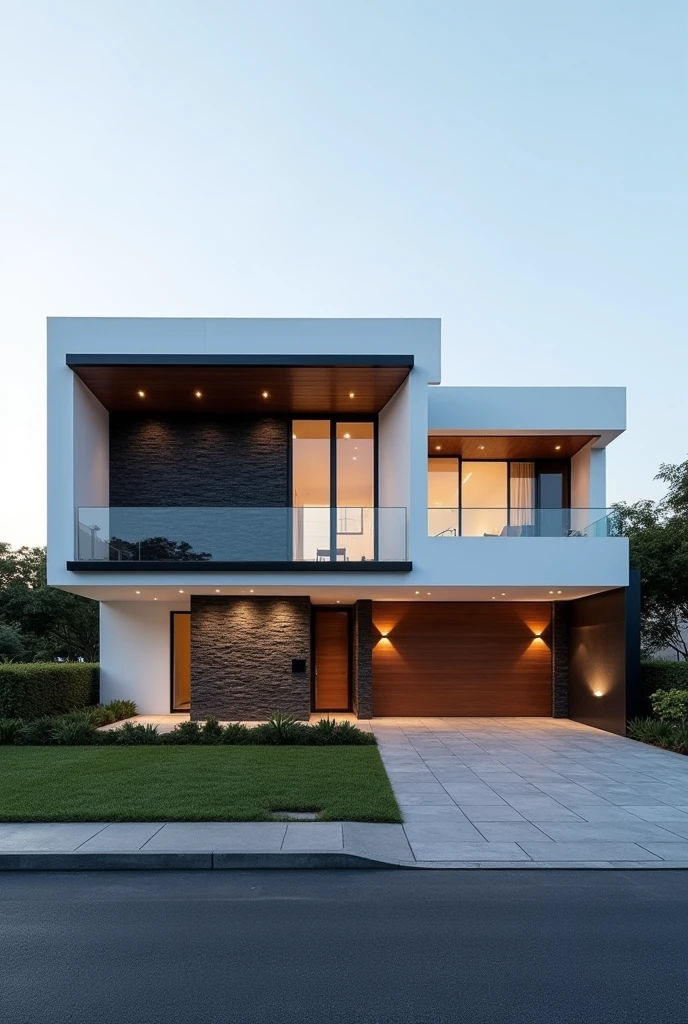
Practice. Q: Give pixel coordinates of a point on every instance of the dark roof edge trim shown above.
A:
(172, 359)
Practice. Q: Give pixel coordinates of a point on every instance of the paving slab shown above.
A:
(579, 852)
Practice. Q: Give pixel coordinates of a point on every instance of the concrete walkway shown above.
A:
(475, 793)
(541, 791)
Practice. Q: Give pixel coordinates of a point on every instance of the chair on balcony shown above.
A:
(325, 555)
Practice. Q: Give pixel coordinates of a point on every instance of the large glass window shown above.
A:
(310, 474)
(443, 497)
(484, 506)
(355, 491)
(522, 498)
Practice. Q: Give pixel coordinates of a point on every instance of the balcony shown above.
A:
(523, 522)
(172, 539)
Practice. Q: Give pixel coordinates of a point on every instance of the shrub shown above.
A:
(131, 734)
(280, 730)
(650, 730)
(35, 733)
(663, 675)
(325, 731)
(235, 733)
(185, 732)
(33, 691)
(73, 730)
(670, 705)
(9, 727)
(349, 734)
(121, 709)
(211, 730)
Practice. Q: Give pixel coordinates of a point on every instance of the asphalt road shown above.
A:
(354, 946)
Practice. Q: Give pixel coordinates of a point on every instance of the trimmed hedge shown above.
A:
(52, 688)
(663, 675)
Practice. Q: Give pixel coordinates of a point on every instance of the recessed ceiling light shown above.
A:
(181, 591)
(138, 591)
(353, 458)
(141, 394)
(438, 447)
(294, 436)
(558, 591)
(557, 447)
(155, 599)
(347, 435)
(250, 591)
(265, 394)
(428, 593)
(351, 394)
(503, 593)
(481, 447)
(494, 598)
(217, 591)
(417, 591)
(337, 602)
(198, 394)
(551, 591)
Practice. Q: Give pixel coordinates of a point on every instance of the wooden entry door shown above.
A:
(331, 660)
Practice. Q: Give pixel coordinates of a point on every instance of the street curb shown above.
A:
(161, 861)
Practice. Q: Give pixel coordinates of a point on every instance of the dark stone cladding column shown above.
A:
(560, 659)
(362, 647)
(241, 657)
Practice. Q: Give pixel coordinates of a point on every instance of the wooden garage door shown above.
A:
(461, 659)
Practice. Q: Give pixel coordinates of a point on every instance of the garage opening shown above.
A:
(462, 659)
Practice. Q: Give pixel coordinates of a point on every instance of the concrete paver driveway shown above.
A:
(534, 790)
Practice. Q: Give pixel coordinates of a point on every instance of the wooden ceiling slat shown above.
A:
(294, 390)
(529, 446)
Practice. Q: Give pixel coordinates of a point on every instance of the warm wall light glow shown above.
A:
(141, 394)
(597, 693)
(351, 394)
(265, 394)
(198, 394)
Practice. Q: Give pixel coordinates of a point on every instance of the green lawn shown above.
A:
(193, 783)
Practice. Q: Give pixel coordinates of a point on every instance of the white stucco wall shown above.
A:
(135, 653)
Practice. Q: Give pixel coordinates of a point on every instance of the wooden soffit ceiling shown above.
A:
(334, 385)
(527, 447)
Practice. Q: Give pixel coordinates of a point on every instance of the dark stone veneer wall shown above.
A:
(241, 657)
(178, 459)
(362, 667)
(560, 659)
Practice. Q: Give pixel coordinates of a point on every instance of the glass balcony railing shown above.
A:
(523, 522)
(242, 534)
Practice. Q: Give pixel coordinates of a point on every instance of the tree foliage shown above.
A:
(38, 622)
(658, 533)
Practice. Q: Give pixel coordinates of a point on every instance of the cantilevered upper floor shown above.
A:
(315, 453)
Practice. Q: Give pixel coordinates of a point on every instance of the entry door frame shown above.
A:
(348, 609)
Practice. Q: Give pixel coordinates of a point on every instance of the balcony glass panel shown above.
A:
(239, 534)
(538, 522)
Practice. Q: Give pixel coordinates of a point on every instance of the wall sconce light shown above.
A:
(597, 693)
(352, 394)
(265, 394)
(141, 394)
(198, 394)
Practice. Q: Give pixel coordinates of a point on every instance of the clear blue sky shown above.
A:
(517, 168)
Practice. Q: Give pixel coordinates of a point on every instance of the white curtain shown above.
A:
(522, 494)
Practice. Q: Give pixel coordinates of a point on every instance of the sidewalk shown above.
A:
(232, 845)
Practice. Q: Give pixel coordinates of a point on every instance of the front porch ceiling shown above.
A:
(267, 385)
(524, 446)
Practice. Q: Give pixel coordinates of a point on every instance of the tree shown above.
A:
(45, 622)
(658, 533)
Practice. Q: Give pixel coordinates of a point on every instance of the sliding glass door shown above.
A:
(333, 490)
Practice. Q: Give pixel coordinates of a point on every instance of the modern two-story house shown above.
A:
(294, 515)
